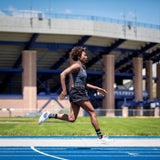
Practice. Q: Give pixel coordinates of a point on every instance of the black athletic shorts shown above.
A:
(77, 94)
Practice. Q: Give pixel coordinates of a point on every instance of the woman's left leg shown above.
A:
(87, 106)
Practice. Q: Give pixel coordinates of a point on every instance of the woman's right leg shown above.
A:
(74, 110)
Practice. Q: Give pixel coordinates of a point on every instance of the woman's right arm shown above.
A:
(73, 68)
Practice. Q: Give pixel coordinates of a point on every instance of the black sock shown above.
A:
(51, 115)
(99, 134)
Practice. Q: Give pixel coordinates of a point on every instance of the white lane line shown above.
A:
(132, 154)
(32, 147)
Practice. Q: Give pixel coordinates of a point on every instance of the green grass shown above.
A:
(22, 126)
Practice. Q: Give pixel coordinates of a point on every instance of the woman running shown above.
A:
(78, 95)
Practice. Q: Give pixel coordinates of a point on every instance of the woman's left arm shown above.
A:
(101, 90)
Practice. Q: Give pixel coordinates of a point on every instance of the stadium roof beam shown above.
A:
(13, 43)
(28, 46)
(81, 42)
(108, 50)
(153, 54)
(55, 46)
(134, 54)
(156, 59)
(66, 56)
(32, 41)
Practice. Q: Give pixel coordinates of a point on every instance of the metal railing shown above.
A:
(11, 112)
(40, 15)
(131, 112)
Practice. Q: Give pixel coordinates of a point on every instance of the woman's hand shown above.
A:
(102, 91)
(62, 95)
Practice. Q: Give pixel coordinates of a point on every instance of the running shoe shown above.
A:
(44, 117)
(105, 140)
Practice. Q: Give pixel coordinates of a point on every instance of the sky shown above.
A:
(146, 11)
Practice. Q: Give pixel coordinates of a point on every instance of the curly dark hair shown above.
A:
(76, 52)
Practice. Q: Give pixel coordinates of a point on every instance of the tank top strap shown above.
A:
(77, 62)
(83, 67)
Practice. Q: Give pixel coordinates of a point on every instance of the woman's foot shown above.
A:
(105, 140)
(44, 117)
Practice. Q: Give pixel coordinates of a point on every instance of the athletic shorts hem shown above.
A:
(78, 94)
(84, 99)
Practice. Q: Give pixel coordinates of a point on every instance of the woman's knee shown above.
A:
(72, 119)
(93, 114)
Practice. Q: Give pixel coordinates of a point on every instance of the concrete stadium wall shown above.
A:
(78, 27)
(16, 106)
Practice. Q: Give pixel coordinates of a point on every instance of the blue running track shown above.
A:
(80, 153)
